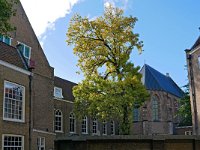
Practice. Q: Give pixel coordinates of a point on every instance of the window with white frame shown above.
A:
(104, 128)
(84, 125)
(112, 127)
(58, 92)
(25, 51)
(14, 102)
(13, 142)
(5, 39)
(155, 108)
(135, 114)
(72, 123)
(58, 121)
(41, 143)
(94, 126)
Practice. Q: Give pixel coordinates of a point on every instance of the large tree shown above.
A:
(184, 110)
(112, 84)
(6, 12)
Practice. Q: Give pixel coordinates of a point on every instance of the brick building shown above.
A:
(193, 63)
(37, 107)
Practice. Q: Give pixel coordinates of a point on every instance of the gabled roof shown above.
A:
(11, 55)
(197, 43)
(154, 80)
(66, 87)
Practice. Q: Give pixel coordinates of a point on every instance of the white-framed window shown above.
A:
(72, 123)
(94, 126)
(84, 125)
(104, 128)
(58, 121)
(5, 39)
(188, 132)
(155, 108)
(58, 92)
(112, 127)
(14, 102)
(12, 142)
(41, 143)
(25, 50)
(136, 114)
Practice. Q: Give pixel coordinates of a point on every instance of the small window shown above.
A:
(14, 99)
(104, 127)
(94, 126)
(188, 132)
(58, 92)
(13, 142)
(136, 114)
(112, 127)
(41, 143)
(72, 123)
(25, 51)
(5, 39)
(58, 121)
(84, 125)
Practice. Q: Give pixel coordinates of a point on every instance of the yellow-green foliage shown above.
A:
(112, 84)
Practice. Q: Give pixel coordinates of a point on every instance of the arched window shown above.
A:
(94, 126)
(112, 127)
(58, 121)
(136, 114)
(84, 125)
(155, 109)
(104, 127)
(72, 123)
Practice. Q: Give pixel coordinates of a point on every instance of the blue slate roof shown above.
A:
(154, 80)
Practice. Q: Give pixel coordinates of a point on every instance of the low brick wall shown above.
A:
(158, 142)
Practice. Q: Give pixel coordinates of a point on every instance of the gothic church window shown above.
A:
(155, 109)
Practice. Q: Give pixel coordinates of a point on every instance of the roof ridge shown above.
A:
(154, 76)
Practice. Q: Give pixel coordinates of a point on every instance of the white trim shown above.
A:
(59, 131)
(74, 117)
(194, 50)
(13, 135)
(24, 50)
(23, 103)
(64, 100)
(86, 128)
(44, 132)
(60, 96)
(106, 128)
(15, 68)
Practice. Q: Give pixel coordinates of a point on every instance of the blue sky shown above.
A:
(167, 28)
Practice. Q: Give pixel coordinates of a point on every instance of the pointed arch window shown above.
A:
(112, 127)
(94, 126)
(155, 109)
(72, 123)
(58, 121)
(84, 125)
(104, 127)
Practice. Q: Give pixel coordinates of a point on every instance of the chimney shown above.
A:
(167, 74)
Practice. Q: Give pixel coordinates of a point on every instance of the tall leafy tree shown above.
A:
(112, 83)
(184, 110)
(6, 12)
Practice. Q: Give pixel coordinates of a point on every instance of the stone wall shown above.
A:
(130, 143)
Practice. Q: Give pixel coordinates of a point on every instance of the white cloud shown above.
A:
(43, 13)
(119, 3)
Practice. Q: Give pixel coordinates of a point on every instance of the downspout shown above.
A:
(30, 110)
(189, 57)
(30, 68)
